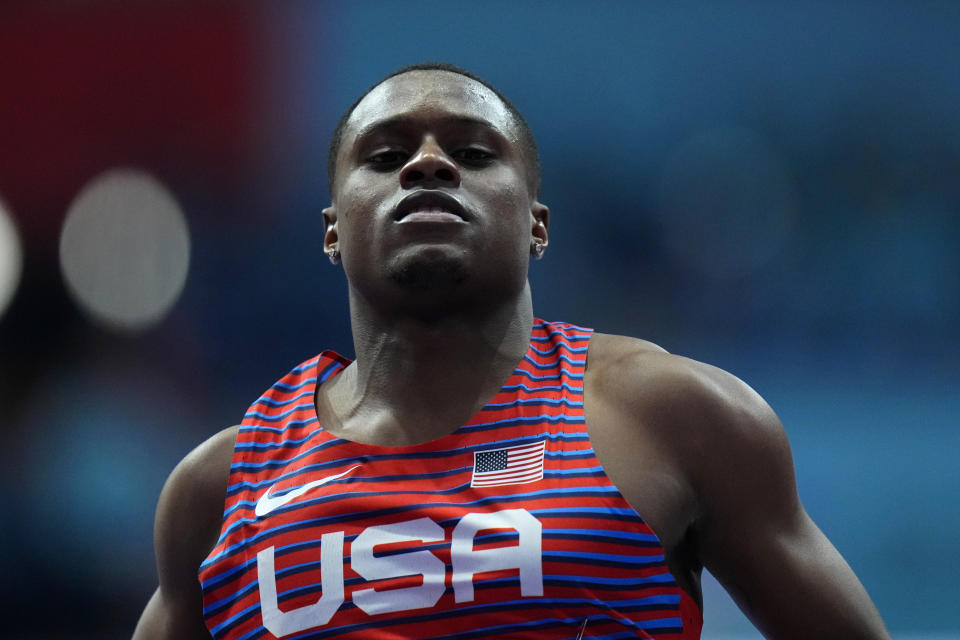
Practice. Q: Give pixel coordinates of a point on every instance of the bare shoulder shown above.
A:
(678, 438)
(207, 463)
(191, 505)
(684, 392)
(705, 456)
(699, 416)
(187, 525)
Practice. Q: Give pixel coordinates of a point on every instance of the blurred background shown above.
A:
(770, 187)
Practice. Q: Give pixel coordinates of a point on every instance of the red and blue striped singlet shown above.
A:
(506, 528)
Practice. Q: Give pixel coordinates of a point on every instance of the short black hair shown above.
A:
(527, 142)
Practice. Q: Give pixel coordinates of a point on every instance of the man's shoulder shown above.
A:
(210, 457)
(661, 388)
(191, 503)
(187, 526)
(631, 367)
(198, 483)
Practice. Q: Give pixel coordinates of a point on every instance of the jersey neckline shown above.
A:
(340, 362)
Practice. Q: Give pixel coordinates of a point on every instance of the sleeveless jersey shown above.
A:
(506, 528)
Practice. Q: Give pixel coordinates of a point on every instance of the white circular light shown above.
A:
(125, 249)
(11, 258)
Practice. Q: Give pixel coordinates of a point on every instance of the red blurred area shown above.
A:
(167, 86)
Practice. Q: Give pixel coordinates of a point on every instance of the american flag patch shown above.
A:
(511, 465)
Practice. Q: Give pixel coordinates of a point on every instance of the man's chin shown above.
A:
(429, 273)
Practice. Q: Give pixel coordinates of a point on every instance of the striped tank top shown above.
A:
(506, 528)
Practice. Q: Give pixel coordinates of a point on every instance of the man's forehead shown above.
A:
(430, 94)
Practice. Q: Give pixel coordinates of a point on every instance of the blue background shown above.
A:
(772, 188)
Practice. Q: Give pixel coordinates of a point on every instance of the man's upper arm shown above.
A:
(753, 532)
(187, 525)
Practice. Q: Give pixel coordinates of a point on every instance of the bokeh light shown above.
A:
(125, 249)
(11, 258)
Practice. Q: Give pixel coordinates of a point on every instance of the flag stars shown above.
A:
(491, 460)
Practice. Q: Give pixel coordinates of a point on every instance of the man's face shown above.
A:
(431, 188)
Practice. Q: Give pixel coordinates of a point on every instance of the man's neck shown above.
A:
(417, 379)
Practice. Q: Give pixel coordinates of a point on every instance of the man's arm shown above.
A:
(752, 531)
(187, 526)
(707, 464)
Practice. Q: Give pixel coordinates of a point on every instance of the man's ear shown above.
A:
(330, 237)
(540, 216)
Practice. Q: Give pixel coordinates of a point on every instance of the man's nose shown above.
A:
(430, 165)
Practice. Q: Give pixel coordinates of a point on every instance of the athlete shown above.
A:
(477, 472)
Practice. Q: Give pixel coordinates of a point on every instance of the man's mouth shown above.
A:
(435, 215)
(428, 205)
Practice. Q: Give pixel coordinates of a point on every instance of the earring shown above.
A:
(537, 249)
(333, 254)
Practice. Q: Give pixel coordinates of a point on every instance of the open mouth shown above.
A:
(430, 206)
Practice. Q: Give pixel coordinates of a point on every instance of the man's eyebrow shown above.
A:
(405, 121)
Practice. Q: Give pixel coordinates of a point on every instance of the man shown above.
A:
(476, 472)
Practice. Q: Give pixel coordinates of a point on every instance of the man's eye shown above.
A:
(387, 159)
(473, 155)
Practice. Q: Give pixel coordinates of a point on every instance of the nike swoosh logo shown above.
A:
(268, 503)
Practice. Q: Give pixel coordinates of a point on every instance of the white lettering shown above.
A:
(526, 556)
(396, 565)
(283, 623)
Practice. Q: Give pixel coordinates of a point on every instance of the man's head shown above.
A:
(434, 189)
(527, 140)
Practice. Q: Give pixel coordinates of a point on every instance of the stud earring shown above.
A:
(334, 255)
(537, 249)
